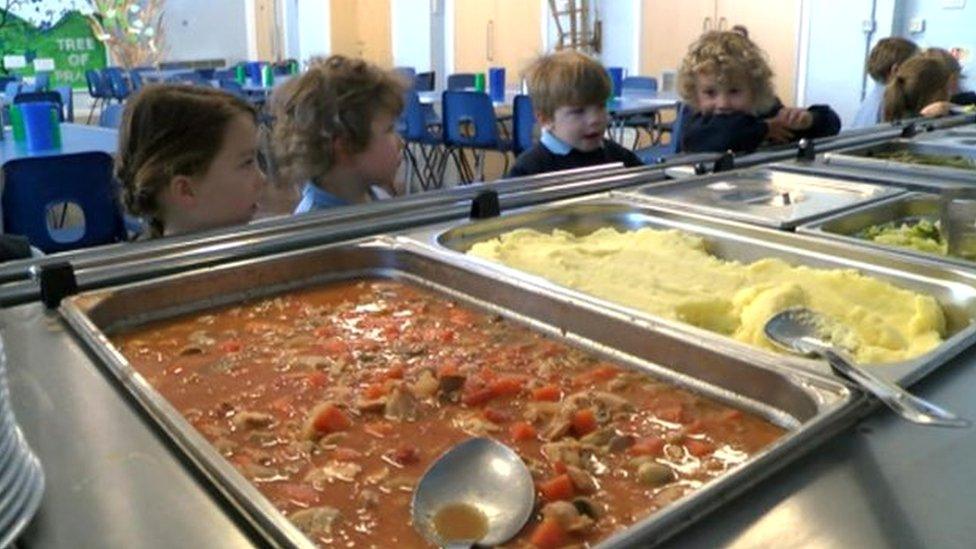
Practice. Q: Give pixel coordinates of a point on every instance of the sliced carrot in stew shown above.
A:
(584, 422)
(376, 390)
(600, 373)
(549, 535)
(522, 430)
(699, 447)
(495, 415)
(317, 379)
(507, 386)
(551, 393)
(335, 346)
(558, 488)
(230, 346)
(330, 420)
(647, 446)
(406, 454)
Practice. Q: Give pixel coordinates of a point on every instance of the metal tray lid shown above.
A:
(764, 196)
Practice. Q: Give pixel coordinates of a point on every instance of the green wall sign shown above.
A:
(70, 43)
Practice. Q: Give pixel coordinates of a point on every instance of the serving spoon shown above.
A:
(795, 330)
(477, 493)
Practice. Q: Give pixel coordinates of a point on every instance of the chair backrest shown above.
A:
(42, 97)
(118, 85)
(425, 81)
(412, 124)
(233, 86)
(677, 128)
(460, 81)
(523, 124)
(135, 78)
(111, 116)
(642, 83)
(35, 185)
(11, 90)
(463, 109)
(67, 102)
(408, 73)
(42, 81)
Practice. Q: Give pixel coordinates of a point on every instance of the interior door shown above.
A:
(839, 34)
(669, 27)
(471, 34)
(774, 26)
(361, 28)
(264, 28)
(515, 36)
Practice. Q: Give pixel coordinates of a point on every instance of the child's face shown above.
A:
(377, 164)
(581, 127)
(227, 194)
(726, 98)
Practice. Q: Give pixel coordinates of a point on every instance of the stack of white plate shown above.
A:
(21, 477)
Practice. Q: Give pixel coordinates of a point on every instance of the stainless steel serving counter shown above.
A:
(113, 482)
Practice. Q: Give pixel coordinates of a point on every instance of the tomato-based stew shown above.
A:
(334, 400)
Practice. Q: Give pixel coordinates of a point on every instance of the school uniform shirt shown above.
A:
(316, 198)
(964, 98)
(870, 113)
(743, 132)
(552, 154)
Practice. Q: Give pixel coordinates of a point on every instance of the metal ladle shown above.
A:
(795, 330)
(483, 474)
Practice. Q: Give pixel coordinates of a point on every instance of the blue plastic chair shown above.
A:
(11, 90)
(233, 87)
(469, 122)
(408, 73)
(639, 83)
(523, 124)
(425, 81)
(460, 81)
(206, 74)
(417, 134)
(99, 89)
(42, 97)
(118, 85)
(135, 78)
(67, 101)
(42, 81)
(111, 116)
(33, 185)
(659, 153)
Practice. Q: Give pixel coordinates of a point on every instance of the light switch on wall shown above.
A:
(916, 26)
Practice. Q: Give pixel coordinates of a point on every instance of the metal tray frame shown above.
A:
(811, 406)
(854, 157)
(654, 194)
(954, 288)
(843, 226)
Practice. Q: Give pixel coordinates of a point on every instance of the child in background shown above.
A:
(728, 84)
(569, 93)
(334, 132)
(921, 87)
(885, 58)
(957, 96)
(187, 159)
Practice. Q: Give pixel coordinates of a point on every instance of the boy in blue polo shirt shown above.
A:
(569, 93)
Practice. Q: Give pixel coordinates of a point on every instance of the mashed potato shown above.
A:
(672, 275)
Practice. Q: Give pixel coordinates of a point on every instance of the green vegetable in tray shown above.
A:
(922, 235)
(955, 161)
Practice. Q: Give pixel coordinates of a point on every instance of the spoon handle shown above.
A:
(907, 405)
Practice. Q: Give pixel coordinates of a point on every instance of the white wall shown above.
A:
(214, 29)
(621, 34)
(411, 33)
(944, 28)
(314, 22)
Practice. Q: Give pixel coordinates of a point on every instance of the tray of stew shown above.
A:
(914, 157)
(313, 389)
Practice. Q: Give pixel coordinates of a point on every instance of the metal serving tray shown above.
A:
(955, 289)
(762, 196)
(809, 406)
(861, 157)
(844, 226)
